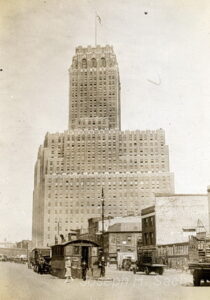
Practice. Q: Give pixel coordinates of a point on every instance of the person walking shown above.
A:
(102, 266)
(84, 269)
(68, 270)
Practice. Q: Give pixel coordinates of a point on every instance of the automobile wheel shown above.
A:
(196, 280)
(160, 271)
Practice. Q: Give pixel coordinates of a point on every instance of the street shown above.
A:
(19, 282)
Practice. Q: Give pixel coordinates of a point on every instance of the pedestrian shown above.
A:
(84, 269)
(68, 270)
(102, 266)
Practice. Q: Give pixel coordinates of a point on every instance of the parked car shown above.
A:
(3, 257)
(128, 264)
(126, 260)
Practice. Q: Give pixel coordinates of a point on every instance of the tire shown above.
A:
(147, 271)
(160, 271)
(196, 279)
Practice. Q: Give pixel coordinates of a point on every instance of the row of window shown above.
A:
(93, 63)
(108, 136)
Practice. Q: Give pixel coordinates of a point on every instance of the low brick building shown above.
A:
(121, 237)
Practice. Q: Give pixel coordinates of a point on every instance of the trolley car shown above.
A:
(78, 251)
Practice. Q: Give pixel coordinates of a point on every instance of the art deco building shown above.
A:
(73, 166)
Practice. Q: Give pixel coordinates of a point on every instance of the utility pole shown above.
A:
(102, 218)
(58, 228)
(102, 215)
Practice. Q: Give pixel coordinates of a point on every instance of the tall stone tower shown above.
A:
(73, 166)
(94, 89)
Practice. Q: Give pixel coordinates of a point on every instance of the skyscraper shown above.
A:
(94, 89)
(72, 167)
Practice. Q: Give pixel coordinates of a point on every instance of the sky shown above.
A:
(163, 52)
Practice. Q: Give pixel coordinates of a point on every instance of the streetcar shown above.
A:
(79, 251)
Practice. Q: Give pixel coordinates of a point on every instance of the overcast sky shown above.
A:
(163, 51)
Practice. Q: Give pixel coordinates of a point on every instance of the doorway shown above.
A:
(85, 253)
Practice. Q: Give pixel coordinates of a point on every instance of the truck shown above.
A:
(39, 260)
(148, 260)
(199, 258)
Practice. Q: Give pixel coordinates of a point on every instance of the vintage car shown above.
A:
(3, 257)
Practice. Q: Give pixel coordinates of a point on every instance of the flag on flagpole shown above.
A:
(98, 18)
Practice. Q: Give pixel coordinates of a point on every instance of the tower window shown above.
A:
(84, 63)
(93, 63)
(103, 62)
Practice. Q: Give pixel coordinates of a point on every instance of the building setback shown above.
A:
(73, 166)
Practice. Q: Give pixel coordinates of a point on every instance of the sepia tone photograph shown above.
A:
(104, 149)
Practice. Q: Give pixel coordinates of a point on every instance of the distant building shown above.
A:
(73, 166)
(7, 244)
(12, 250)
(95, 224)
(24, 244)
(121, 237)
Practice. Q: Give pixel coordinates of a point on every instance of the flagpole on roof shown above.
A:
(95, 29)
(97, 20)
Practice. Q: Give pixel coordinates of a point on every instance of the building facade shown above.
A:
(178, 215)
(171, 222)
(73, 166)
(176, 255)
(148, 226)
